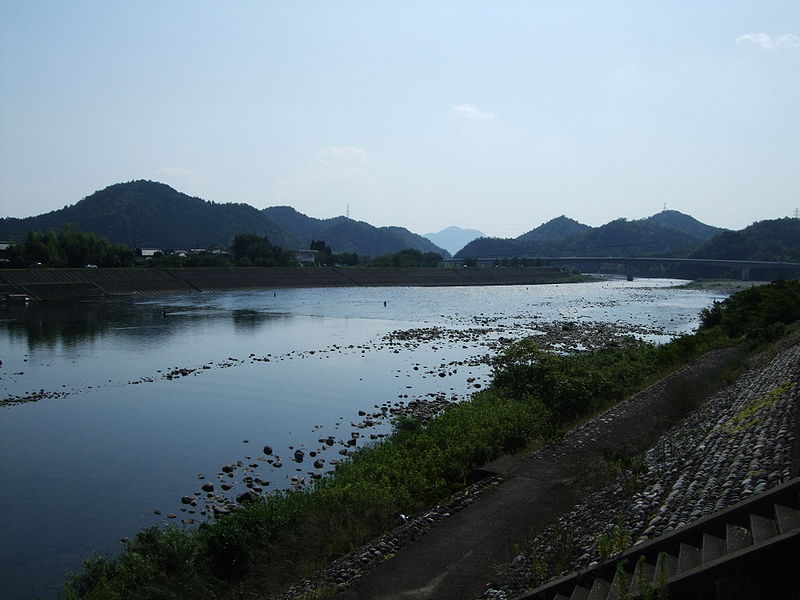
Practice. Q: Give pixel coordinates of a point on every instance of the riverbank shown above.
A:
(62, 284)
(743, 440)
(466, 537)
(740, 440)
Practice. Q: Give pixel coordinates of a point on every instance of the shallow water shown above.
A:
(112, 439)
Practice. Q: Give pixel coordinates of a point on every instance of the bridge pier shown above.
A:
(745, 273)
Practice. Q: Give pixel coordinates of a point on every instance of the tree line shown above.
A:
(71, 248)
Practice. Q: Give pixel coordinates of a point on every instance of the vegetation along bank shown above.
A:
(272, 541)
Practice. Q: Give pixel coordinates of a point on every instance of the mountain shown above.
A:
(771, 240)
(565, 237)
(453, 238)
(147, 214)
(346, 235)
(555, 229)
(678, 221)
(628, 238)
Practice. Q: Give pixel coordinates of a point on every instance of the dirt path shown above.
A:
(456, 560)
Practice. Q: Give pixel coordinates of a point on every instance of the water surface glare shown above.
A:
(139, 396)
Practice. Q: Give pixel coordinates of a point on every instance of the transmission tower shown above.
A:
(348, 211)
(797, 213)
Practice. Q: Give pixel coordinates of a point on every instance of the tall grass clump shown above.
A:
(272, 541)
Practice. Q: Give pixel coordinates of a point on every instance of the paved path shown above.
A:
(457, 558)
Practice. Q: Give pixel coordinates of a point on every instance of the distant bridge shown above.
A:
(629, 261)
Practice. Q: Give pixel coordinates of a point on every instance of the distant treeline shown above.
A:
(71, 248)
(68, 248)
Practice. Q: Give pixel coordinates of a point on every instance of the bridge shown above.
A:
(630, 261)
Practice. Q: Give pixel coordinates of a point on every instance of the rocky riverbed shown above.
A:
(738, 443)
(257, 473)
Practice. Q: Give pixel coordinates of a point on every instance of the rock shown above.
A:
(299, 455)
(208, 487)
(246, 497)
(267, 450)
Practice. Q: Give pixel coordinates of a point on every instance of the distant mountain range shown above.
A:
(146, 214)
(453, 238)
(664, 234)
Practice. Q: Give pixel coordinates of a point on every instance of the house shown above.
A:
(306, 257)
(4, 246)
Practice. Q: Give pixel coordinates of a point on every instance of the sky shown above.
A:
(490, 115)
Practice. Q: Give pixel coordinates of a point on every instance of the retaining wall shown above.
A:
(58, 284)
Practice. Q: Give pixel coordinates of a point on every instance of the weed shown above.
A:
(615, 541)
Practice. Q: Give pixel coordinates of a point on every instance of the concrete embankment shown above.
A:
(60, 284)
(743, 440)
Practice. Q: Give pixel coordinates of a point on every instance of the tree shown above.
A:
(408, 258)
(250, 250)
(324, 253)
(69, 248)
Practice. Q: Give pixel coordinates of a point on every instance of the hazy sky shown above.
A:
(490, 115)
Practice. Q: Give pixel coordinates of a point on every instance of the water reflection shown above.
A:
(250, 321)
(72, 324)
(47, 325)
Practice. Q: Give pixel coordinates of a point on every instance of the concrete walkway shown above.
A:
(456, 560)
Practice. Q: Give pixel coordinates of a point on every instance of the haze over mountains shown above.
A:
(146, 214)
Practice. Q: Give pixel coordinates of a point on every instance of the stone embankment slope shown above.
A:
(737, 443)
(56, 284)
(741, 441)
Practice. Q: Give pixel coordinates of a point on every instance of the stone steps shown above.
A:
(749, 544)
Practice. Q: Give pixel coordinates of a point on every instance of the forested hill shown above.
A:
(565, 237)
(556, 229)
(146, 214)
(772, 240)
(346, 235)
(677, 221)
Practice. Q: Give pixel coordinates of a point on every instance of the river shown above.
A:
(114, 410)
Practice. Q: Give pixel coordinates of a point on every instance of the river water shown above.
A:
(116, 409)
